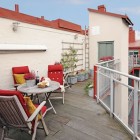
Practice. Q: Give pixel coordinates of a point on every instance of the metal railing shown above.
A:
(118, 95)
(134, 61)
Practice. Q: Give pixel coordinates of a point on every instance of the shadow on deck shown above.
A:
(80, 118)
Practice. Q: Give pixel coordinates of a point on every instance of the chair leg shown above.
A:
(34, 129)
(51, 106)
(47, 98)
(63, 97)
(44, 126)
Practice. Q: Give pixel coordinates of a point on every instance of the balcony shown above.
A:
(80, 118)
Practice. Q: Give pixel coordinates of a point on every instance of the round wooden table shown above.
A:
(35, 91)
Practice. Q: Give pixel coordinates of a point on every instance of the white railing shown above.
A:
(111, 86)
(134, 61)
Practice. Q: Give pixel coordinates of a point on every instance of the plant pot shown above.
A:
(90, 92)
(86, 76)
(80, 77)
(72, 79)
(30, 83)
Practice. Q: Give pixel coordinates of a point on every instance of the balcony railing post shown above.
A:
(98, 79)
(135, 109)
(111, 95)
(95, 82)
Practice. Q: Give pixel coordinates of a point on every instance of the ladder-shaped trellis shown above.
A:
(77, 46)
(82, 51)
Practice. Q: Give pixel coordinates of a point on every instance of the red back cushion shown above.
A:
(55, 73)
(20, 70)
(18, 94)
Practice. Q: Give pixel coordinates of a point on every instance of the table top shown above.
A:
(35, 90)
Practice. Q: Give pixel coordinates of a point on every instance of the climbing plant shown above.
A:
(69, 59)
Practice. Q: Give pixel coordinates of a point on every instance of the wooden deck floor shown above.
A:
(80, 118)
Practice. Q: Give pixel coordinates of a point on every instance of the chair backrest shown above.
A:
(18, 95)
(12, 112)
(19, 70)
(55, 73)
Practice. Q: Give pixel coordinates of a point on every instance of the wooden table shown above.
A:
(34, 90)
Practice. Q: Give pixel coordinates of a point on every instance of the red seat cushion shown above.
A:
(55, 73)
(20, 70)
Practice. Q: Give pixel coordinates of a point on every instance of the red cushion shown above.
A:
(19, 70)
(55, 68)
(55, 73)
(43, 110)
(18, 94)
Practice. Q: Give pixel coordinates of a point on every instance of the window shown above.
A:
(105, 49)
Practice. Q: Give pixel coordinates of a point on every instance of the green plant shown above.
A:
(69, 59)
(88, 86)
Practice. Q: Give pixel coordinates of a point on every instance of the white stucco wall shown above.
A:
(112, 29)
(31, 35)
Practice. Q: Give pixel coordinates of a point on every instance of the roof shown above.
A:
(60, 23)
(56, 24)
(135, 45)
(124, 17)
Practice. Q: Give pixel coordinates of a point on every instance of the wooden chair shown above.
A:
(14, 112)
(55, 73)
(19, 70)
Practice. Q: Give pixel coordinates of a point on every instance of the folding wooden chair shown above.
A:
(55, 73)
(14, 112)
(17, 71)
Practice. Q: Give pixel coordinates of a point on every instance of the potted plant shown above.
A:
(69, 60)
(30, 79)
(86, 75)
(89, 88)
(81, 75)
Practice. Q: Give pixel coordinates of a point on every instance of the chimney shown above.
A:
(42, 17)
(101, 8)
(16, 8)
(131, 35)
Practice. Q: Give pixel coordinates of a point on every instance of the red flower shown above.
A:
(29, 76)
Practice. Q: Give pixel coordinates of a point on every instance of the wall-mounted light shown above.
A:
(15, 26)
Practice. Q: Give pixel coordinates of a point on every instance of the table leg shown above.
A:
(51, 106)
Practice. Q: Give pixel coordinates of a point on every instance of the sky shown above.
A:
(75, 10)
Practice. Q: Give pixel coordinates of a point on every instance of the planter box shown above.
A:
(86, 76)
(90, 92)
(80, 77)
(72, 80)
(30, 83)
(91, 72)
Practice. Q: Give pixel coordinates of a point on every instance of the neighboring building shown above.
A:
(134, 45)
(108, 37)
(108, 34)
(134, 53)
(20, 31)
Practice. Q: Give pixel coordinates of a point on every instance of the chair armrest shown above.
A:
(62, 88)
(36, 112)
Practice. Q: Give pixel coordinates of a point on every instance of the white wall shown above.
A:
(112, 29)
(32, 35)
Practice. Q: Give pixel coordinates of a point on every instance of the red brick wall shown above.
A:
(131, 35)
